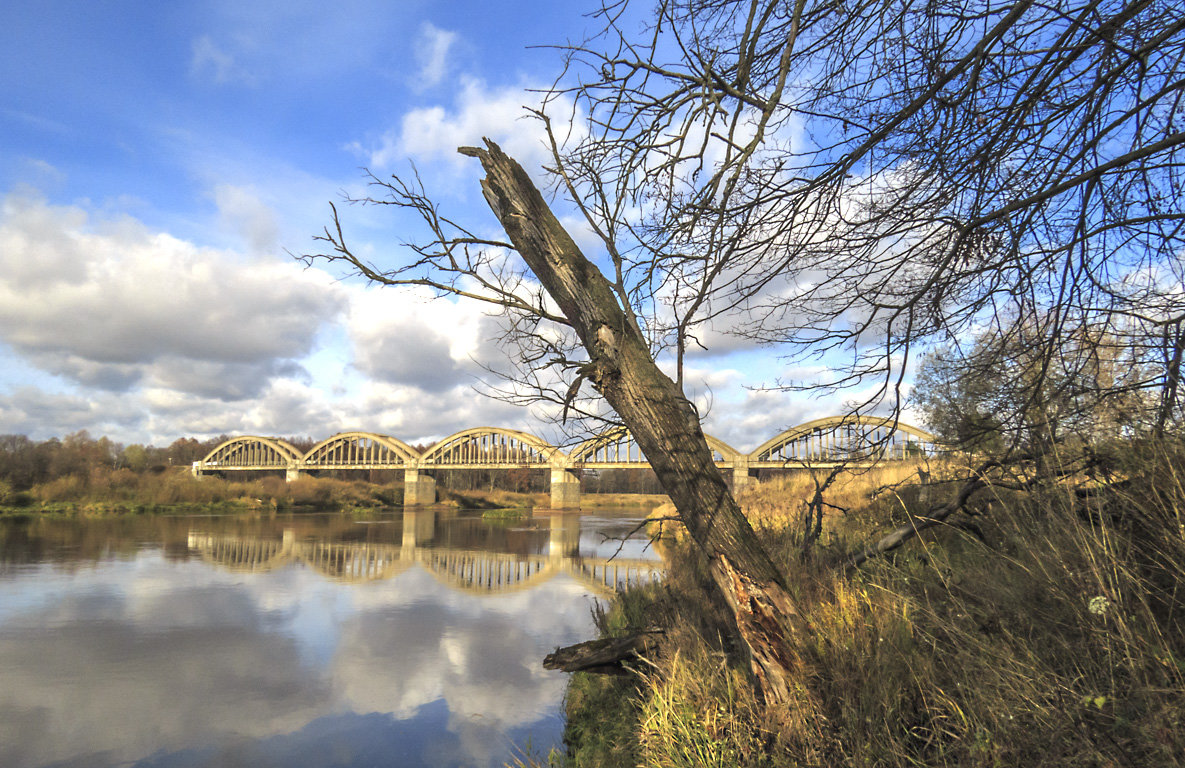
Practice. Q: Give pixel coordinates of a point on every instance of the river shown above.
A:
(296, 640)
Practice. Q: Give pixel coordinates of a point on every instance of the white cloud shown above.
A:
(113, 304)
(405, 336)
(431, 52)
(414, 416)
(432, 134)
(31, 411)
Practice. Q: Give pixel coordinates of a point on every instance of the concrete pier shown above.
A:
(418, 489)
(565, 488)
(740, 474)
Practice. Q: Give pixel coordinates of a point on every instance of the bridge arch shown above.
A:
(617, 448)
(357, 450)
(490, 447)
(836, 438)
(726, 453)
(252, 451)
(607, 577)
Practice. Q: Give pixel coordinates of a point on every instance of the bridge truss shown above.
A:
(821, 443)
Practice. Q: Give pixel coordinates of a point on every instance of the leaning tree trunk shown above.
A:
(659, 417)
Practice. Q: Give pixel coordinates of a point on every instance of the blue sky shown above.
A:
(160, 161)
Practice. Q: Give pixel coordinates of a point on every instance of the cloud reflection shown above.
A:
(157, 663)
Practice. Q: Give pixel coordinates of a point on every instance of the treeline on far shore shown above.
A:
(82, 473)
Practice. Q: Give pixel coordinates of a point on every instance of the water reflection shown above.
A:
(315, 640)
(479, 571)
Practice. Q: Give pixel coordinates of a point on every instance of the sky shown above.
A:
(160, 164)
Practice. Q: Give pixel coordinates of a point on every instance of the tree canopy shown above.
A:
(852, 182)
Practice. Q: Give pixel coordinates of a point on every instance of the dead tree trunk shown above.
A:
(660, 418)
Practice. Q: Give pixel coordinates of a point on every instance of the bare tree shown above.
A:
(845, 181)
(1002, 390)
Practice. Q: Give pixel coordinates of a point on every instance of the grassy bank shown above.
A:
(645, 501)
(123, 491)
(1049, 630)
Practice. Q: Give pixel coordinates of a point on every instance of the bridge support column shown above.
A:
(293, 473)
(418, 489)
(565, 489)
(740, 475)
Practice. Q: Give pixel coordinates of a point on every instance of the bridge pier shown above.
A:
(565, 488)
(418, 489)
(293, 472)
(740, 475)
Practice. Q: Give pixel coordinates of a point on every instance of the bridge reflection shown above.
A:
(465, 569)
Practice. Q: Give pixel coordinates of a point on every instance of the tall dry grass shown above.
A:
(1049, 633)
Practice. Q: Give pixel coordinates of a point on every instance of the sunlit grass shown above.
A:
(1051, 633)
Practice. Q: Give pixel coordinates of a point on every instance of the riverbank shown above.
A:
(121, 492)
(1047, 630)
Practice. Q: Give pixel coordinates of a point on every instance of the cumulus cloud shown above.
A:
(408, 337)
(759, 415)
(31, 411)
(115, 304)
(414, 416)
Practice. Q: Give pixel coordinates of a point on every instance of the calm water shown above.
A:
(304, 640)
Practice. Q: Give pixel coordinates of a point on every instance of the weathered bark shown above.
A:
(605, 655)
(659, 417)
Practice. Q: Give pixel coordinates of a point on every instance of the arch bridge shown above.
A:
(822, 443)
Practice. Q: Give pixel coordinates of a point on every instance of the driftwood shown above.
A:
(605, 655)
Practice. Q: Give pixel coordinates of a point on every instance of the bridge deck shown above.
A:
(821, 444)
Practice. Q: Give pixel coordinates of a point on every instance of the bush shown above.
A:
(67, 488)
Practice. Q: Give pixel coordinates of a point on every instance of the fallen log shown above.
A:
(604, 656)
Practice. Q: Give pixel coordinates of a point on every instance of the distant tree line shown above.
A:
(25, 463)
